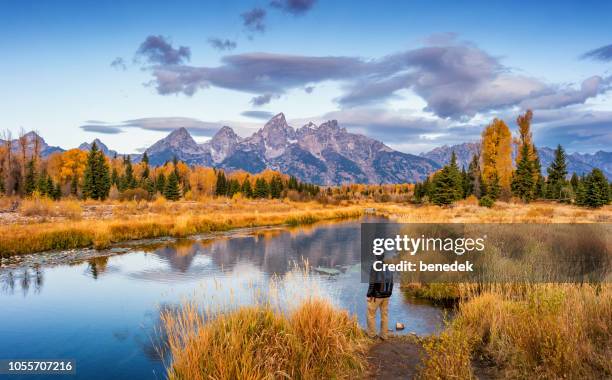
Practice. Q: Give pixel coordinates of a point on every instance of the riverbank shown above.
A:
(131, 221)
(39, 225)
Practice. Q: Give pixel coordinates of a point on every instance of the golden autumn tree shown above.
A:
(496, 158)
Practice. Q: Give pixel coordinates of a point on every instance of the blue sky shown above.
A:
(415, 74)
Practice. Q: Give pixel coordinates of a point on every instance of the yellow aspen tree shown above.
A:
(496, 155)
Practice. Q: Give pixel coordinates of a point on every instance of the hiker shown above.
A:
(379, 291)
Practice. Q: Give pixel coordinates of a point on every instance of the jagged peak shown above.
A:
(225, 131)
(182, 131)
(330, 124)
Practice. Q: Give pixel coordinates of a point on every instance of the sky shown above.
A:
(414, 74)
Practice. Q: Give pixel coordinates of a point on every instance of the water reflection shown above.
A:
(272, 252)
(24, 280)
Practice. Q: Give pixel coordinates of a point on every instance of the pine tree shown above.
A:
(276, 187)
(246, 189)
(574, 181)
(128, 181)
(96, 179)
(523, 185)
(293, 183)
(103, 180)
(172, 191)
(261, 188)
(160, 183)
(30, 178)
(149, 186)
(474, 177)
(447, 185)
(556, 174)
(581, 192)
(221, 188)
(597, 189)
(233, 187)
(41, 184)
(115, 177)
(145, 161)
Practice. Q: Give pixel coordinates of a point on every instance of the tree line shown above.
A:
(491, 175)
(92, 175)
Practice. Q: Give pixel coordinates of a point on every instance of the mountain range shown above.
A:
(579, 163)
(325, 154)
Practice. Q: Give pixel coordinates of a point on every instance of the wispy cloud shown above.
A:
(222, 44)
(254, 20)
(261, 115)
(157, 50)
(295, 7)
(101, 128)
(261, 100)
(119, 64)
(603, 53)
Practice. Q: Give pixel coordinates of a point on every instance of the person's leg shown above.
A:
(384, 317)
(371, 317)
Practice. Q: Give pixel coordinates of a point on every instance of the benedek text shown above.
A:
(408, 266)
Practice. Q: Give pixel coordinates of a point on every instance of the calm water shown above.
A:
(105, 312)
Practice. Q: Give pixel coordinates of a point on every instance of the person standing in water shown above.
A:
(379, 291)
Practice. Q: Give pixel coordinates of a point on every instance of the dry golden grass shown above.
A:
(548, 332)
(467, 212)
(45, 207)
(313, 341)
(136, 220)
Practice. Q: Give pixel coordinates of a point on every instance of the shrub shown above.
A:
(486, 201)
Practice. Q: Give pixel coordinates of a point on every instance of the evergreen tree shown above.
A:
(556, 174)
(128, 181)
(474, 177)
(261, 188)
(96, 179)
(149, 186)
(30, 178)
(293, 183)
(50, 187)
(233, 187)
(597, 189)
(581, 192)
(172, 191)
(115, 177)
(221, 188)
(574, 181)
(246, 189)
(465, 183)
(160, 183)
(41, 184)
(276, 187)
(523, 185)
(492, 190)
(447, 185)
(145, 161)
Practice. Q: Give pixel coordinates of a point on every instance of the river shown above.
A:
(104, 312)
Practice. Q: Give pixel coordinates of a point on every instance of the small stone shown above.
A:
(399, 326)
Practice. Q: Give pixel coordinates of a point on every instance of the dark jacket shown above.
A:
(381, 284)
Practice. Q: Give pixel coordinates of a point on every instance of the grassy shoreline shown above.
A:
(180, 222)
